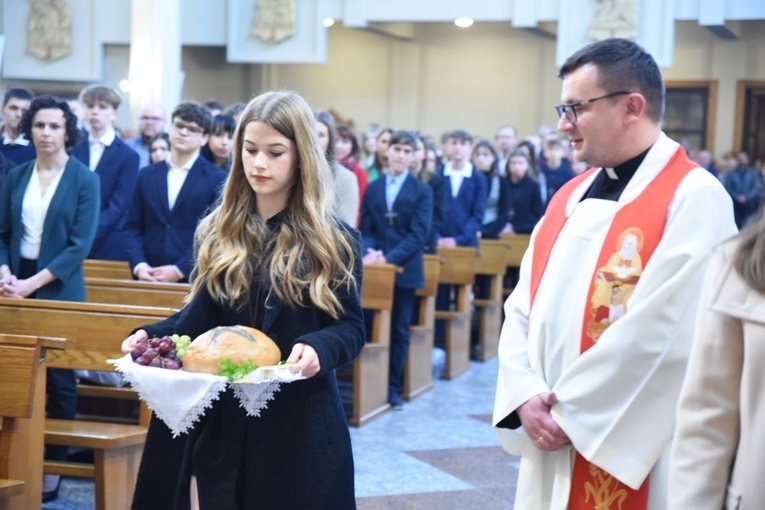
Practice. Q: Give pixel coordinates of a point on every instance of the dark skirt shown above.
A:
(247, 463)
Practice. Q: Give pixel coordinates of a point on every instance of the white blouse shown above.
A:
(34, 209)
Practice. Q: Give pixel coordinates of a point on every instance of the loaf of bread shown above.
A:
(237, 343)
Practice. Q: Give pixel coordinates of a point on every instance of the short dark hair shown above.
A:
(214, 104)
(17, 93)
(403, 138)
(622, 65)
(95, 93)
(460, 135)
(48, 102)
(193, 111)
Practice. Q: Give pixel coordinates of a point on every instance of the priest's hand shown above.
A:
(539, 425)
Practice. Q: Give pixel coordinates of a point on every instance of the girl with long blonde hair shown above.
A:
(272, 256)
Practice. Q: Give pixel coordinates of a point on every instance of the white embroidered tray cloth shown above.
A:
(180, 398)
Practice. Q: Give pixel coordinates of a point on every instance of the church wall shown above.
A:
(441, 79)
(700, 55)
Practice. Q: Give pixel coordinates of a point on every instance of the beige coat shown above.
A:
(718, 458)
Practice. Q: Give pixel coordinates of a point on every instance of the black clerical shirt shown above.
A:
(606, 188)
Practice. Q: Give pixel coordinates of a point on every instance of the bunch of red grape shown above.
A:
(156, 352)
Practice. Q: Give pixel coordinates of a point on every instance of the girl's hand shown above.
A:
(305, 359)
(129, 343)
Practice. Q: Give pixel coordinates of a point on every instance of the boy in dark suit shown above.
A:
(465, 197)
(15, 146)
(464, 207)
(116, 165)
(170, 198)
(395, 220)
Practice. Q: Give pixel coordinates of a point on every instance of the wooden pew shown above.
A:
(22, 418)
(129, 292)
(94, 333)
(371, 367)
(517, 246)
(458, 269)
(418, 370)
(133, 292)
(491, 262)
(107, 269)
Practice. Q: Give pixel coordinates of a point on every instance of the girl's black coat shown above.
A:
(296, 454)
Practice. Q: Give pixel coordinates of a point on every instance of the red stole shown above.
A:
(632, 238)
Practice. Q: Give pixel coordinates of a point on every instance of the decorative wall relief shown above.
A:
(49, 29)
(274, 20)
(615, 18)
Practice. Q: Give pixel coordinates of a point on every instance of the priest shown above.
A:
(593, 349)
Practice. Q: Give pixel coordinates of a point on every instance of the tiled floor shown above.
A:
(438, 453)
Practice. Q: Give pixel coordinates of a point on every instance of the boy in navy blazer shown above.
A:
(395, 220)
(15, 146)
(464, 207)
(465, 197)
(170, 198)
(116, 165)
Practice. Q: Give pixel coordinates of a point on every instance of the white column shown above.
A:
(155, 54)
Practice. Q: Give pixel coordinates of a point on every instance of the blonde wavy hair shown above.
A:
(311, 252)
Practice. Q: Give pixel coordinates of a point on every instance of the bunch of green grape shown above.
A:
(182, 343)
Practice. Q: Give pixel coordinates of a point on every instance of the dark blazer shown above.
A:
(155, 234)
(5, 167)
(18, 153)
(118, 171)
(437, 186)
(492, 229)
(403, 241)
(68, 231)
(526, 207)
(463, 214)
(297, 453)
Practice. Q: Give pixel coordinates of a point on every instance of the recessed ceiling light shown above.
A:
(328, 22)
(463, 22)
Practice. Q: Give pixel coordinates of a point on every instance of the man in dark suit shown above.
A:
(15, 146)
(170, 198)
(116, 166)
(395, 220)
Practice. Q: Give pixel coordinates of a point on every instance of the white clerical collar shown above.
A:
(467, 170)
(106, 139)
(611, 173)
(19, 140)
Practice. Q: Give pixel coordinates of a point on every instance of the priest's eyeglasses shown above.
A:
(569, 109)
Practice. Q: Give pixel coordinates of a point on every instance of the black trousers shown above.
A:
(404, 301)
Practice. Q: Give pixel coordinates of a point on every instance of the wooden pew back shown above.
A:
(107, 269)
(418, 370)
(517, 246)
(94, 331)
(22, 416)
(370, 368)
(458, 266)
(137, 293)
